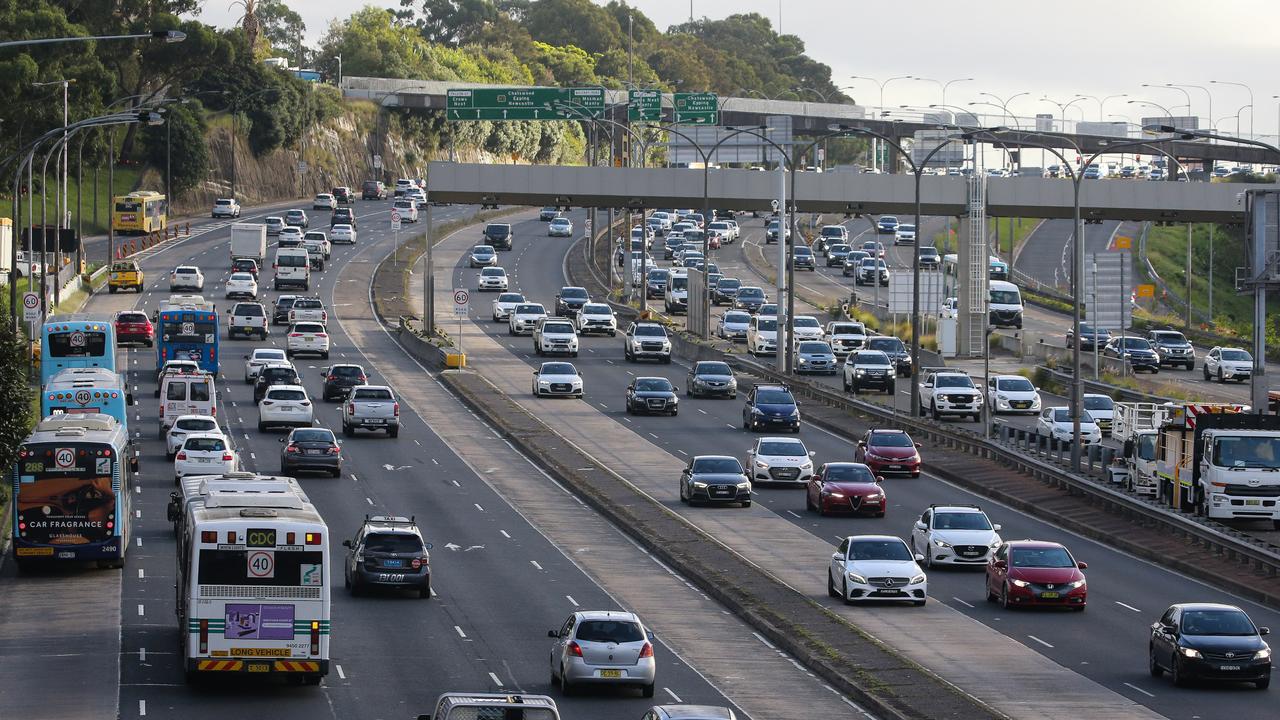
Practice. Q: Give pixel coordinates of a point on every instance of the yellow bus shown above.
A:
(139, 212)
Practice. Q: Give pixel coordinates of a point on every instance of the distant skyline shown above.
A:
(1007, 52)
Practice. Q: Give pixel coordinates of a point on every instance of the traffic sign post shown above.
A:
(697, 108)
(395, 228)
(461, 306)
(521, 103)
(644, 105)
(30, 306)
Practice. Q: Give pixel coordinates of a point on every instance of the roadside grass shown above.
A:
(126, 180)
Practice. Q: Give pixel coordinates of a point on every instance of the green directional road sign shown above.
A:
(522, 103)
(696, 108)
(644, 105)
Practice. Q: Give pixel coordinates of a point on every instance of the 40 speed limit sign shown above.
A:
(262, 564)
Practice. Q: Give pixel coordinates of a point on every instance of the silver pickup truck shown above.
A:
(372, 407)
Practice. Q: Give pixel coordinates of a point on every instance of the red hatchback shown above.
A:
(1036, 573)
(845, 487)
(133, 326)
(889, 451)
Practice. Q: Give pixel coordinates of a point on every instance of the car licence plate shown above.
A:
(610, 673)
(1049, 596)
(373, 421)
(315, 452)
(1228, 667)
(895, 467)
(259, 667)
(1253, 501)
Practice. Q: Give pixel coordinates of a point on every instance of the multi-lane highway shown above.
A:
(1021, 662)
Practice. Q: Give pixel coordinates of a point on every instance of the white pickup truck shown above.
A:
(372, 407)
(248, 319)
(308, 310)
(949, 392)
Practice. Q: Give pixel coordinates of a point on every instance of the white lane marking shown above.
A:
(704, 412)
(478, 507)
(1128, 606)
(137, 513)
(253, 456)
(435, 461)
(495, 679)
(456, 483)
(142, 610)
(572, 601)
(1033, 637)
(628, 420)
(137, 489)
(460, 633)
(142, 655)
(504, 534)
(354, 478)
(368, 501)
(340, 673)
(535, 564)
(793, 513)
(655, 437)
(1135, 687)
(953, 597)
(682, 452)
(674, 696)
(141, 574)
(142, 708)
(139, 542)
(767, 644)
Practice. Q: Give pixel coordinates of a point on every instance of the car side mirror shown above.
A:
(919, 557)
(921, 526)
(552, 634)
(918, 446)
(1082, 565)
(346, 543)
(428, 545)
(675, 389)
(879, 478)
(1264, 631)
(813, 453)
(246, 357)
(862, 443)
(996, 527)
(837, 556)
(649, 634)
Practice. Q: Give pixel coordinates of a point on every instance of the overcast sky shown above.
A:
(1008, 46)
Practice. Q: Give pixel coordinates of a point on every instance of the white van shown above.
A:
(1005, 304)
(186, 393)
(292, 267)
(676, 293)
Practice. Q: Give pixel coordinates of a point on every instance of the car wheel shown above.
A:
(647, 690)
(831, 585)
(262, 427)
(844, 591)
(847, 387)
(1004, 598)
(933, 408)
(1176, 674)
(347, 430)
(565, 687)
(1221, 379)
(393, 432)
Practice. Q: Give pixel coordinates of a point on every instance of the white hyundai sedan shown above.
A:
(876, 568)
(242, 285)
(204, 454)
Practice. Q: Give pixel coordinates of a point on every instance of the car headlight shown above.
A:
(835, 494)
(859, 371)
(1076, 584)
(1002, 398)
(1262, 654)
(1019, 583)
(807, 465)
(804, 361)
(744, 486)
(855, 577)
(699, 485)
(942, 543)
(543, 382)
(1189, 652)
(918, 579)
(762, 465)
(995, 543)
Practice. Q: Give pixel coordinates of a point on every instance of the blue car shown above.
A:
(887, 224)
(771, 406)
(815, 356)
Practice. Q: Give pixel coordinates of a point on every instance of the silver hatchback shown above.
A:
(606, 647)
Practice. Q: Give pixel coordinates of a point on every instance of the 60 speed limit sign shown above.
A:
(30, 306)
(461, 301)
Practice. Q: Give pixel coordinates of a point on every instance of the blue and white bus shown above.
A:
(187, 329)
(76, 341)
(78, 391)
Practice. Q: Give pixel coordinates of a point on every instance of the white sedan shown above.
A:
(342, 233)
(186, 277)
(261, 357)
(204, 454)
(285, 405)
(779, 459)
(1012, 394)
(560, 227)
(557, 378)
(504, 304)
(807, 327)
(492, 279)
(242, 285)
(875, 568)
(1055, 422)
(188, 425)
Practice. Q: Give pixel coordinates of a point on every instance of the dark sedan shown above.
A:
(836, 255)
(804, 259)
(725, 291)
(1090, 337)
(248, 265)
(771, 406)
(652, 395)
(311, 450)
(1209, 641)
(749, 299)
(710, 378)
(714, 479)
(845, 487)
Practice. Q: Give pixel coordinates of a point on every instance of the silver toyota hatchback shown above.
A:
(606, 647)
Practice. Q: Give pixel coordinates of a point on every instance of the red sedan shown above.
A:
(845, 487)
(133, 326)
(1036, 573)
(889, 451)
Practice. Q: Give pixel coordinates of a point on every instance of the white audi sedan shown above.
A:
(557, 379)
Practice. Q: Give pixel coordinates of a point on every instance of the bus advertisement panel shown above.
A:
(139, 212)
(77, 391)
(75, 341)
(72, 491)
(188, 333)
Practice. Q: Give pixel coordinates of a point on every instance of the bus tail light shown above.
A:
(315, 636)
(313, 538)
(231, 537)
(204, 637)
(208, 536)
(290, 538)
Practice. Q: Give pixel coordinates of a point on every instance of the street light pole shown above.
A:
(169, 36)
(1248, 90)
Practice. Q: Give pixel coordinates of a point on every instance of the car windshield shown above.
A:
(573, 293)
(313, 435)
(651, 330)
(1063, 415)
(729, 283)
(680, 282)
(1136, 343)
(871, 358)
(372, 394)
(596, 309)
(557, 328)
(712, 368)
(961, 521)
(879, 550)
(482, 250)
(849, 472)
(493, 272)
(890, 439)
(906, 228)
(775, 397)
(1041, 557)
(609, 631)
(1098, 402)
(392, 543)
(1217, 622)
(817, 348)
(1005, 297)
(242, 277)
(1170, 338)
(1247, 452)
(205, 444)
(199, 425)
(806, 322)
(767, 325)
(953, 381)
(559, 369)
(830, 231)
(847, 329)
(803, 251)
(346, 371)
(286, 395)
(888, 345)
(1015, 384)
(511, 298)
(736, 318)
(530, 310)
(750, 293)
(308, 328)
(1237, 355)
(653, 385)
(784, 448)
(132, 317)
(280, 375)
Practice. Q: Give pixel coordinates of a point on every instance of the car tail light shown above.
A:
(295, 334)
(161, 410)
(182, 455)
(204, 636)
(291, 448)
(396, 409)
(324, 316)
(351, 407)
(322, 335)
(305, 403)
(416, 563)
(363, 379)
(646, 651)
(227, 456)
(574, 649)
(266, 402)
(335, 450)
(214, 411)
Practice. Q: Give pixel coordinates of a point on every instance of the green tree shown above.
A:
(282, 27)
(452, 22)
(565, 66)
(579, 23)
(180, 141)
(15, 397)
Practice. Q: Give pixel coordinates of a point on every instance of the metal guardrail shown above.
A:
(1264, 556)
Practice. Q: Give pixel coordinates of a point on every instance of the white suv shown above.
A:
(285, 405)
(204, 454)
(779, 459)
(950, 392)
(646, 340)
(188, 425)
(955, 535)
(525, 317)
(248, 319)
(260, 358)
(1228, 364)
(307, 337)
(554, 335)
(186, 277)
(505, 304)
(762, 334)
(596, 317)
(407, 209)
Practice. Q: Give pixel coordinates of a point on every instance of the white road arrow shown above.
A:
(451, 546)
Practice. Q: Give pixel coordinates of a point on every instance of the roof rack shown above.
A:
(391, 520)
(954, 505)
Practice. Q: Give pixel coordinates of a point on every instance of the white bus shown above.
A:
(253, 586)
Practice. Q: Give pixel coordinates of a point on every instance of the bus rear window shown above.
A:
(231, 567)
(128, 206)
(189, 332)
(77, 344)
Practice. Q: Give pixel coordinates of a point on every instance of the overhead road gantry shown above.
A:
(832, 192)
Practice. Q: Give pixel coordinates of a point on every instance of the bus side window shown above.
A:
(177, 391)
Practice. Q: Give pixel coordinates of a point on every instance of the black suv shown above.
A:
(771, 406)
(499, 235)
(342, 194)
(895, 349)
(388, 551)
(274, 375)
(343, 216)
(280, 311)
(373, 190)
(339, 379)
(570, 300)
(804, 259)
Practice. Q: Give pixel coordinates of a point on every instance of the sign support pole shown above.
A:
(428, 282)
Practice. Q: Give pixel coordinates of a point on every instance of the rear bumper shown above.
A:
(643, 673)
(258, 666)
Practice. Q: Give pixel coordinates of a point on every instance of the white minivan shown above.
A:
(292, 267)
(1005, 306)
(186, 393)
